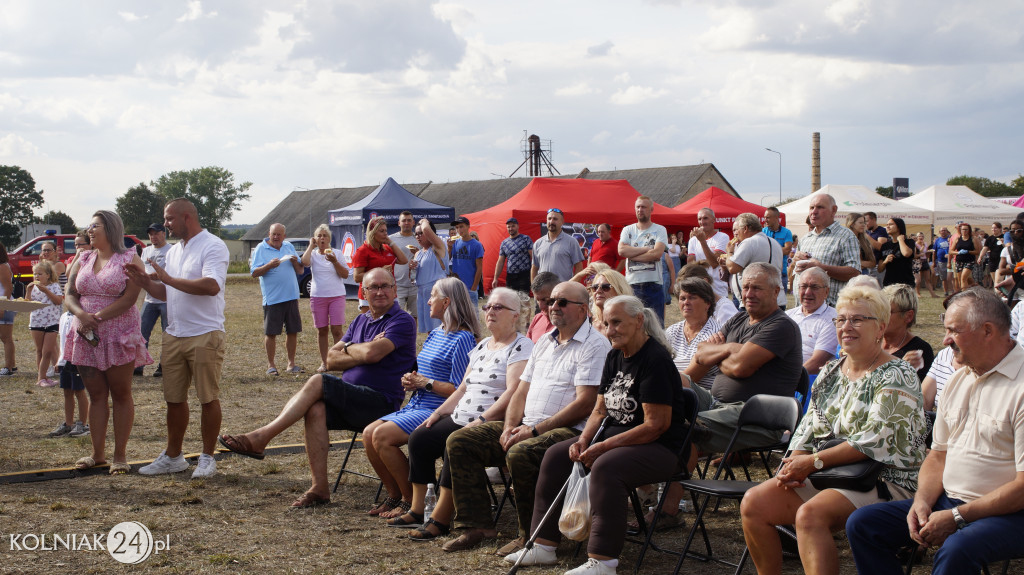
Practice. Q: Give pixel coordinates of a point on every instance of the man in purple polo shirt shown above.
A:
(379, 346)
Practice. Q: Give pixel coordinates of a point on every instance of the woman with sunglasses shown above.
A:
(871, 401)
(495, 365)
(605, 285)
(430, 261)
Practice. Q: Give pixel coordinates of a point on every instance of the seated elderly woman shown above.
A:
(871, 400)
(495, 365)
(897, 339)
(605, 285)
(442, 362)
(724, 308)
(641, 394)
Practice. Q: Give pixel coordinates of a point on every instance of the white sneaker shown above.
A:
(534, 556)
(164, 464)
(206, 467)
(592, 567)
(50, 373)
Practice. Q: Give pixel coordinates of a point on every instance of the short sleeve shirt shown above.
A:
(685, 349)
(402, 277)
(45, 316)
(279, 284)
(557, 256)
(517, 253)
(758, 248)
(776, 333)
(464, 255)
(783, 236)
(718, 244)
(159, 255)
(368, 258)
(877, 233)
(486, 377)
(835, 245)
(817, 332)
(385, 376)
(203, 256)
(643, 272)
(605, 252)
(941, 370)
(941, 247)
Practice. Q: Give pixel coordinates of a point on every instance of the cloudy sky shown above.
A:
(98, 96)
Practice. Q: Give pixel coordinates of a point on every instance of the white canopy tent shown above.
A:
(952, 204)
(858, 199)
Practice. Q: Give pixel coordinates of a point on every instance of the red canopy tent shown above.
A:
(726, 207)
(581, 201)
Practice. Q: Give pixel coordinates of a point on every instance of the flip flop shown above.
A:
(119, 468)
(309, 500)
(87, 463)
(272, 371)
(295, 369)
(239, 444)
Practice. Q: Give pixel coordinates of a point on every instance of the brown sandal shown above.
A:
(388, 504)
(401, 509)
(240, 444)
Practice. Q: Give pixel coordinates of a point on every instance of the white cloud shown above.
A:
(636, 94)
(15, 145)
(128, 16)
(601, 49)
(579, 89)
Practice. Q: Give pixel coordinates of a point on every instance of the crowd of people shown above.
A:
(531, 396)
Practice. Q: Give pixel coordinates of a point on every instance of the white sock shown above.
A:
(545, 547)
(613, 563)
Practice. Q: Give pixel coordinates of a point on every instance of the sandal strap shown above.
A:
(441, 527)
(406, 506)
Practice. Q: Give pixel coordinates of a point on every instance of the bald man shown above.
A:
(280, 287)
(828, 245)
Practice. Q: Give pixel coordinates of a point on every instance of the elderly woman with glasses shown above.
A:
(442, 362)
(605, 285)
(898, 340)
(495, 365)
(871, 403)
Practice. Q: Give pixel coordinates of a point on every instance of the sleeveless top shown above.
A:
(965, 244)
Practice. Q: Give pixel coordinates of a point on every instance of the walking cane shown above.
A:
(554, 505)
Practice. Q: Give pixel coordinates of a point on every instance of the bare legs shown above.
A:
(382, 441)
(116, 384)
(69, 406)
(46, 351)
(323, 343)
(295, 409)
(177, 423)
(7, 339)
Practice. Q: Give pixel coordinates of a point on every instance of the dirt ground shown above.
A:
(237, 521)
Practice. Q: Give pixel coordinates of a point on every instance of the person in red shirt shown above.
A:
(378, 251)
(605, 249)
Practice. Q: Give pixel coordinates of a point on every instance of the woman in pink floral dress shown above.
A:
(105, 342)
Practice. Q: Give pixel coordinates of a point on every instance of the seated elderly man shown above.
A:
(814, 316)
(969, 503)
(556, 393)
(379, 346)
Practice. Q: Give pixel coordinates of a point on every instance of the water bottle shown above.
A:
(429, 502)
(685, 506)
(661, 491)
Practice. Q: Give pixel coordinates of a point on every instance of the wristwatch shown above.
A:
(347, 344)
(960, 521)
(818, 463)
(430, 385)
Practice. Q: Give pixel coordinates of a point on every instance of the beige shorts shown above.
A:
(857, 498)
(186, 358)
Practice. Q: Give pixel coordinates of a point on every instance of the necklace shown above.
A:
(850, 369)
(902, 341)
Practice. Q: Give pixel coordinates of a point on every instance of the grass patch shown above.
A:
(57, 506)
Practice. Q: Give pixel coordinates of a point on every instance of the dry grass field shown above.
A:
(237, 521)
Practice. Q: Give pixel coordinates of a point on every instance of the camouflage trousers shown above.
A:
(472, 450)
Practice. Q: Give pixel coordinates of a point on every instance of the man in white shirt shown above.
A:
(153, 308)
(707, 244)
(814, 316)
(642, 244)
(193, 286)
(404, 238)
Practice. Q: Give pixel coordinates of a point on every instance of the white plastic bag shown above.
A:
(574, 522)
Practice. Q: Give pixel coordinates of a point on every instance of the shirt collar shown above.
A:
(581, 335)
(1011, 364)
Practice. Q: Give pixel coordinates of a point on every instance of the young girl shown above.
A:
(45, 322)
(70, 380)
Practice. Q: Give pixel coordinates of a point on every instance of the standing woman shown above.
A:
(430, 261)
(326, 290)
(378, 251)
(966, 249)
(922, 272)
(105, 341)
(858, 225)
(897, 255)
(6, 317)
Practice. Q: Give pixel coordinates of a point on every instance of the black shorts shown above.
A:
(55, 328)
(284, 314)
(69, 378)
(518, 281)
(352, 407)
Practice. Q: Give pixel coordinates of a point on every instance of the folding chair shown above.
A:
(344, 469)
(507, 496)
(775, 413)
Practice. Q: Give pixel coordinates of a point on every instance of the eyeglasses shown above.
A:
(812, 287)
(376, 287)
(556, 210)
(562, 302)
(496, 307)
(600, 287)
(418, 234)
(1017, 231)
(93, 227)
(855, 320)
(47, 250)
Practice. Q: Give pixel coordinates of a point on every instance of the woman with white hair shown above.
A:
(378, 251)
(326, 290)
(641, 394)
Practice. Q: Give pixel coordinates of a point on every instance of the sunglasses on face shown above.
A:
(562, 302)
(600, 287)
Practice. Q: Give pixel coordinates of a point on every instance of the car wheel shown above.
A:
(304, 286)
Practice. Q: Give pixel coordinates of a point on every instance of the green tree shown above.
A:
(18, 197)
(211, 189)
(66, 222)
(1018, 184)
(983, 186)
(139, 207)
(884, 191)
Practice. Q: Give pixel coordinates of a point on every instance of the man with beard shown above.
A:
(642, 244)
(404, 238)
(516, 252)
(556, 251)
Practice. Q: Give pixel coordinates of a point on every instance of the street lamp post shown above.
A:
(780, 171)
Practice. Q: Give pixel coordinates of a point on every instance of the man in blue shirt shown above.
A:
(774, 230)
(468, 259)
(941, 247)
(515, 253)
(280, 287)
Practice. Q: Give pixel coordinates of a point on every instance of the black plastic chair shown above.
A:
(772, 412)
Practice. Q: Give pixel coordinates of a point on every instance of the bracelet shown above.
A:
(482, 419)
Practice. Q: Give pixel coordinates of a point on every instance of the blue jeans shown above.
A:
(652, 294)
(151, 311)
(475, 298)
(878, 531)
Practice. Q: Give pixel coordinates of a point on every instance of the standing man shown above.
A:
(774, 230)
(970, 492)
(605, 249)
(642, 244)
(468, 259)
(749, 245)
(192, 284)
(941, 247)
(153, 308)
(280, 287)
(878, 236)
(516, 252)
(556, 251)
(828, 245)
(707, 244)
(404, 238)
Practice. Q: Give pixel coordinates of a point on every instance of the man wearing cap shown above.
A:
(556, 251)
(153, 308)
(468, 258)
(516, 252)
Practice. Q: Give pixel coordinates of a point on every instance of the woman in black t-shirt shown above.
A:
(966, 250)
(897, 259)
(641, 395)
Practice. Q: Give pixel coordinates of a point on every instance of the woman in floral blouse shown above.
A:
(870, 399)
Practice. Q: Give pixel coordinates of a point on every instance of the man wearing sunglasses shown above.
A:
(556, 252)
(556, 393)
(642, 244)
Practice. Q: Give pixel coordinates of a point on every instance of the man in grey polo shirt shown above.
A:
(556, 252)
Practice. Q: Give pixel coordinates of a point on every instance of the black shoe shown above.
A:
(137, 371)
(159, 370)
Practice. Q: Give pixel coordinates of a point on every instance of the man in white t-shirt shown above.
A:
(193, 286)
(153, 308)
(707, 244)
(749, 246)
(404, 238)
(642, 244)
